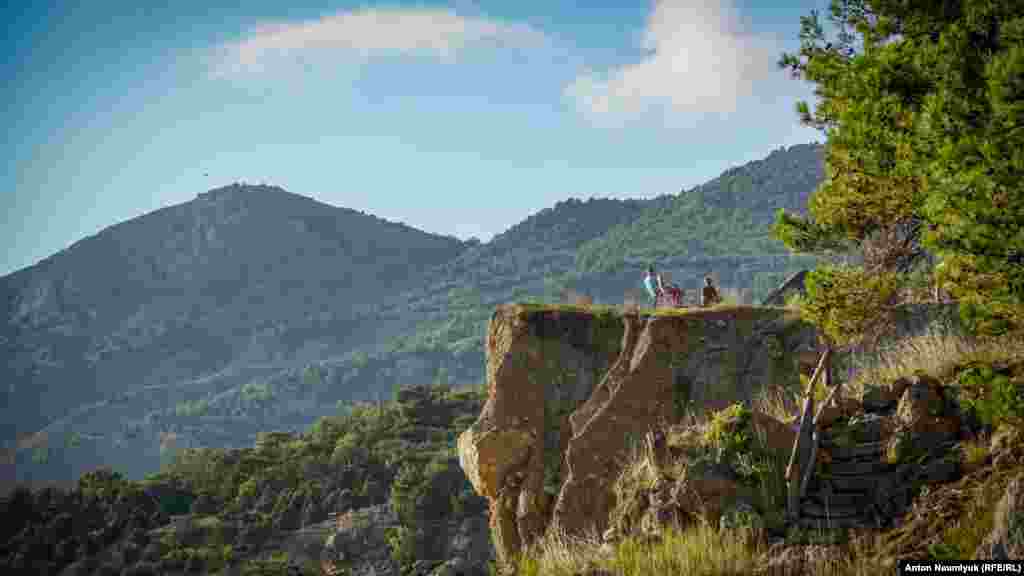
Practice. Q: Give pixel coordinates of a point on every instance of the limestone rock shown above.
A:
(570, 392)
(487, 456)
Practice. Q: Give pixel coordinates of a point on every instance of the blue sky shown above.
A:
(457, 118)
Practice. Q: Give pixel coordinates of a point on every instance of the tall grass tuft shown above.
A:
(938, 353)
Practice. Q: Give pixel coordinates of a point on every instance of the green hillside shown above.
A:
(728, 216)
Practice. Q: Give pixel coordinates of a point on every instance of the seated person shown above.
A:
(709, 295)
(674, 293)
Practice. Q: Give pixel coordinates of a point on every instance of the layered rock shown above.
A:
(570, 390)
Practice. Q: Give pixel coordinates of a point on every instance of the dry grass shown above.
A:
(974, 453)
(937, 353)
(700, 549)
(559, 554)
(779, 403)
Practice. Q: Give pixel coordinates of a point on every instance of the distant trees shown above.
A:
(727, 216)
(922, 105)
(192, 408)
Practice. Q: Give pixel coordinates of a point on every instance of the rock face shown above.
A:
(569, 390)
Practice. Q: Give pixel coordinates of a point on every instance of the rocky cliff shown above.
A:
(571, 389)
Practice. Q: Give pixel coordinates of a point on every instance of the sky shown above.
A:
(459, 118)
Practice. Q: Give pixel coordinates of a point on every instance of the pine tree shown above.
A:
(921, 105)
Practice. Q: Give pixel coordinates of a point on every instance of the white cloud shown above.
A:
(357, 36)
(698, 60)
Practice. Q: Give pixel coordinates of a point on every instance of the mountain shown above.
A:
(251, 309)
(726, 218)
(242, 276)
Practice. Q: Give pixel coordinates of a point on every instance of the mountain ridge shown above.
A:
(201, 293)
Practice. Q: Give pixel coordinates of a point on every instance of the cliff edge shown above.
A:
(570, 389)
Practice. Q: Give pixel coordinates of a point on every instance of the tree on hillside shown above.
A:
(922, 105)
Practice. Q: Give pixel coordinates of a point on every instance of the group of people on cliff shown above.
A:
(658, 287)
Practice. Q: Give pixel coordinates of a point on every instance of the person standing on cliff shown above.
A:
(651, 284)
(709, 295)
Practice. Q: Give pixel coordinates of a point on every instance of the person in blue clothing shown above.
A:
(651, 284)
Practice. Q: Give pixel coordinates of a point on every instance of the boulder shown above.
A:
(925, 418)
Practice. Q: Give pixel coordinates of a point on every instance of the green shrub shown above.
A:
(402, 544)
(993, 394)
(192, 409)
(257, 392)
(248, 489)
(846, 302)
